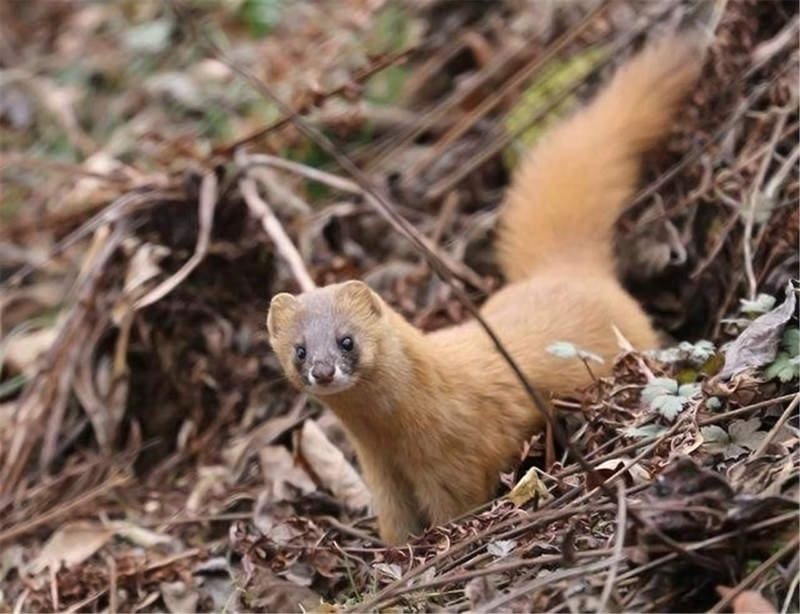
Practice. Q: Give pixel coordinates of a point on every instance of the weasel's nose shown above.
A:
(323, 373)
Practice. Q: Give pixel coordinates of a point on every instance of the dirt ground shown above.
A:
(168, 167)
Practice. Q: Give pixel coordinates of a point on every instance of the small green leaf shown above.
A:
(668, 397)
(687, 391)
(762, 304)
(658, 387)
(783, 368)
(700, 351)
(668, 406)
(715, 436)
(261, 16)
(791, 341)
(713, 403)
(563, 349)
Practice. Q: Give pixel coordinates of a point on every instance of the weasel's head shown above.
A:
(326, 339)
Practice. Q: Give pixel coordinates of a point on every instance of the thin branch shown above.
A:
(260, 209)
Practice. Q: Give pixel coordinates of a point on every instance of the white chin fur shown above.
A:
(340, 382)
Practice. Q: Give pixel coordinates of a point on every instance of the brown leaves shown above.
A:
(758, 344)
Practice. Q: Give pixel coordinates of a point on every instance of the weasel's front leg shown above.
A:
(399, 515)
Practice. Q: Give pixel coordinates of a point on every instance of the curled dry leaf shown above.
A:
(634, 475)
(528, 487)
(73, 543)
(331, 467)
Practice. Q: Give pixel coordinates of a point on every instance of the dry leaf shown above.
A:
(758, 344)
(747, 602)
(210, 479)
(73, 543)
(331, 467)
(479, 590)
(21, 351)
(279, 471)
(529, 486)
(179, 598)
(634, 475)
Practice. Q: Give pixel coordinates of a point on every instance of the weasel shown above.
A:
(436, 417)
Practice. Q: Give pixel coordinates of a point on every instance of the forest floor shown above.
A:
(168, 167)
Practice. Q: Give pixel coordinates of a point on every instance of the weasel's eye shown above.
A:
(300, 353)
(347, 343)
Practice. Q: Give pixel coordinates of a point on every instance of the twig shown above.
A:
(542, 581)
(755, 575)
(81, 605)
(360, 75)
(509, 85)
(792, 587)
(120, 208)
(44, 398)
(777, 428)
(207, 203)
(619, 545)
(756, 198)
(735, 413)
(711, 541)
(113, 606)
(351, 187)
(64, 508)
(260, 209)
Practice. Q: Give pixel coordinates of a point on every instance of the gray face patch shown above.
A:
(327, 354)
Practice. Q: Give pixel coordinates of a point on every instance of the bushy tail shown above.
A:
(569, 190)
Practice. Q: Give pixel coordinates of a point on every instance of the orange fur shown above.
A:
(569, 190)
(435, 418)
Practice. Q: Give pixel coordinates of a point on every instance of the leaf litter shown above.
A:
(153, 459)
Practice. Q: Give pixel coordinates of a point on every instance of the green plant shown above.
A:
(786, 365)
(668, 396)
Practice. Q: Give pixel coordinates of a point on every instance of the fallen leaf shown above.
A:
(331, 467)
(634, 475)
(11, 559)
(758, 344)
(266, 592)
(479, 590)
(179, 598)
(73, 543)
(747, 602)
(529, 486)
(213, 479)
(21, 351)
(501, 547)
(745, 433)
(281, 472)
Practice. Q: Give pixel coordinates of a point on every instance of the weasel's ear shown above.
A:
(282, 308)
(360, 297)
